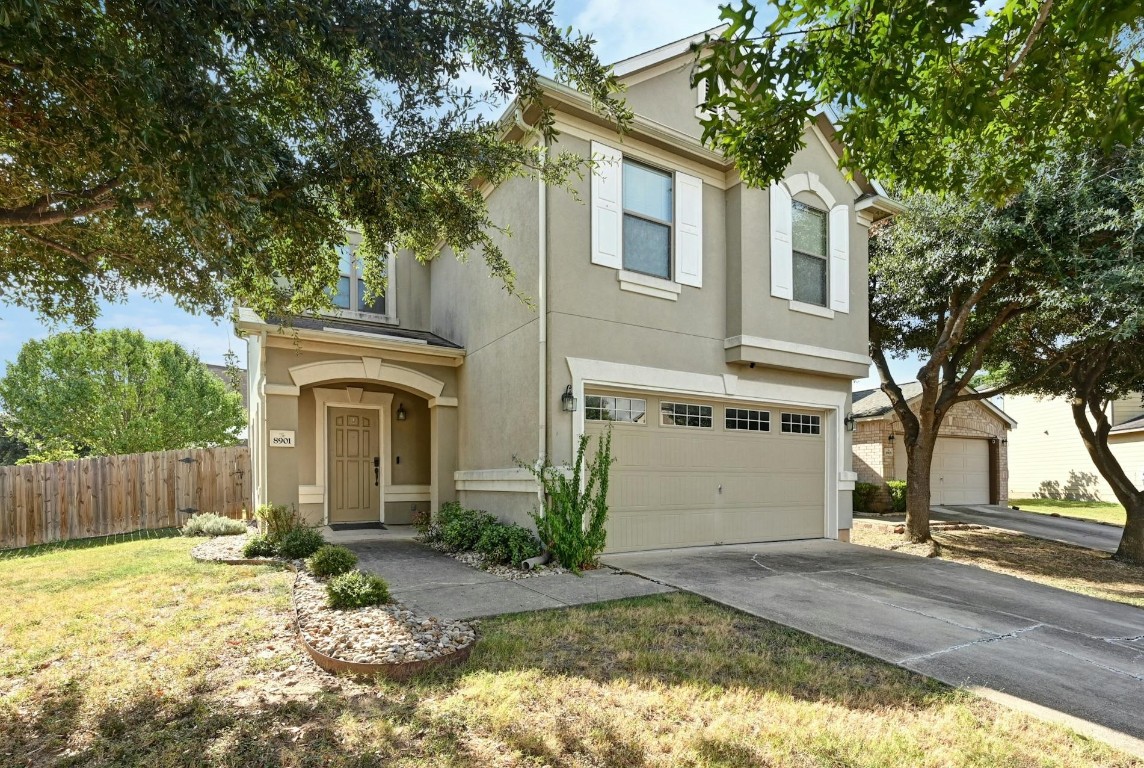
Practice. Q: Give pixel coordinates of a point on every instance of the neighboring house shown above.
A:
(235, 379)
(715, 326)
(971, 458)
(1049, 459)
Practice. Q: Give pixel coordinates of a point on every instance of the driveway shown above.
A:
(438, 585)
(1082, 533)
(1060, 655)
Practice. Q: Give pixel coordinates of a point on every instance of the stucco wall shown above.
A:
(509, 507)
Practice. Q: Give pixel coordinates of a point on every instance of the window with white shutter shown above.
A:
(688, 230)
(607, 211)
(781, 266)
(840, 258)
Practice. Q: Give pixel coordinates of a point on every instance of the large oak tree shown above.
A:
(217, 150)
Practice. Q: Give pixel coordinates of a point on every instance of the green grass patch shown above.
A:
(1101, 511)
(96, 541)
(131, 654)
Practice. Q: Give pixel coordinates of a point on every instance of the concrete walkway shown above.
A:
(438, 585)
(1060, 655)
(1082, 533)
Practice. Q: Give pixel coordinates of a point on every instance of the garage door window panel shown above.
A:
(801, 424)
(748, 420)
(625, 410)
(686, 415)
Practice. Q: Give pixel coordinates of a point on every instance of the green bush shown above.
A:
(864, 496)
(210, 524)
(898, 495)
(461, 528)
(258, 546)
(331, 560)
(300, 543)
(356, 590)
(427, 529)
(571, 525)
(278, 520)
(512, 544)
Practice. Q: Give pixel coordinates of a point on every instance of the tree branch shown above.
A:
(1030, 40)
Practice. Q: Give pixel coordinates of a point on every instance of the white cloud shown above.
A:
(631, 27)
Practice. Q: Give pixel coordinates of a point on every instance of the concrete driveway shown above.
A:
(1060, 655)
(1082, 533)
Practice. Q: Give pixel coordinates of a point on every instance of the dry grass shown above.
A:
(1100, 511)
(131, 655)
(1064, 566)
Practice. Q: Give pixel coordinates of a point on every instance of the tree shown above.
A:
(945, 96)
(114, 392)
(12, 450)
(218, 150)
(959, 283)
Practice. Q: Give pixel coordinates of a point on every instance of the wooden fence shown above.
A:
(62, 500)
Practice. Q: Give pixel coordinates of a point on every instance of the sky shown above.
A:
(621, 29)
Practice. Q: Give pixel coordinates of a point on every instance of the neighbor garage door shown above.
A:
(694, 472)
(960, 471)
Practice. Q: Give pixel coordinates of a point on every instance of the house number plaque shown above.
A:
(281, 438)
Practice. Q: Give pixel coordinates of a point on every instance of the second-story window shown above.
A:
(811, 260)
(351, 293)
(647, 220)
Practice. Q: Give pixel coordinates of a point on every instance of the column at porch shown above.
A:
(282, 460)
(443, 423)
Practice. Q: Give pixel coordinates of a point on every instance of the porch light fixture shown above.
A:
(891, 437)
(568, 400)
(849, 422)
(401, 412)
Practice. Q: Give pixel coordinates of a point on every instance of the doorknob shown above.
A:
(377, 470)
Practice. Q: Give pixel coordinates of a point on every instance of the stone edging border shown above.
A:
(399, 671)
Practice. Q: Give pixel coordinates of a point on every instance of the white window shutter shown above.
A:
(607, 206)
(688, 230)
(782, 266)
(840, 258)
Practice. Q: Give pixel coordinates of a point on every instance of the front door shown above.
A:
(354, 471)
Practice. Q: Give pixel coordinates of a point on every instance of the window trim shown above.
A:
(766, 423)
(804, 306)
(643, 400)
(624, 213)
(390, 316)
(687, 426)
(786, 424)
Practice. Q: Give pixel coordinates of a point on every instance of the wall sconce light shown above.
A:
(849, 422)
(401, 414)
(1004, 441)
(568, 400)
(993, 440)
(891, 437)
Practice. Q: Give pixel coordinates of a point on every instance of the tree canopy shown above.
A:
(931, 96)
(969, 286)
(217, 150)
(114, 392)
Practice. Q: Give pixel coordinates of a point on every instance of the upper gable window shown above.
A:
(647, 220)
(811, 262)
(350, 294)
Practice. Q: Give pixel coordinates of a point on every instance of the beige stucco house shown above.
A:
(1050, 461)
(715, 326)
(971, 458)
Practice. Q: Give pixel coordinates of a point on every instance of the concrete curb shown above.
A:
(398, 671)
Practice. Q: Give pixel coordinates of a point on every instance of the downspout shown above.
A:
(259, 437)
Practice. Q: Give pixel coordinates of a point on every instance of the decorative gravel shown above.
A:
(477, 560)
(225, 548)
(383, 634)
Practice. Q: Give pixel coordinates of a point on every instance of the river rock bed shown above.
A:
(477, 560)
(226, 548)
(383, 634)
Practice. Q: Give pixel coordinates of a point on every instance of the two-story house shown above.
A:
(717, 327)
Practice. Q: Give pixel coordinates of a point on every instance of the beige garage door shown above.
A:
(960, 471)
(695, 472)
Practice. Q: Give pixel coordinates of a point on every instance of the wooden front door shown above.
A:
(354, 469)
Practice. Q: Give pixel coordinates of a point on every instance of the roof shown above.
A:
(363, 329)
(1132, 425)
(874, 403)
(663, 53)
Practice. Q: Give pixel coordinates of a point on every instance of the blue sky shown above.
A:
(621, 29)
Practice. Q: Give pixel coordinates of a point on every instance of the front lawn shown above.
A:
(1087, 571)
(132, 655)
(1101, 511)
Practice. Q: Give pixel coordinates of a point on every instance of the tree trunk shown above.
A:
(1131, 549)
(919, 458)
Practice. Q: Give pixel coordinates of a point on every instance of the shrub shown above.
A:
(331, 560)
(898, 495)
(864, 496)
(427, 529)
(258, 546)
(300, 543)
(278, 520)
(507, 544)
(571, 525)
(461, 528)
(356, 590)
(210, 524)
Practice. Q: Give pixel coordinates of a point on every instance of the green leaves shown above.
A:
(943, 97)
(208, 149)
(113, 392)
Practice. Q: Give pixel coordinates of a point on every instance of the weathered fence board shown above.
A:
(56, 501)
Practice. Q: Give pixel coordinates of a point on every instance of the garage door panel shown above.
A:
(665, 484)
(959, 473)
